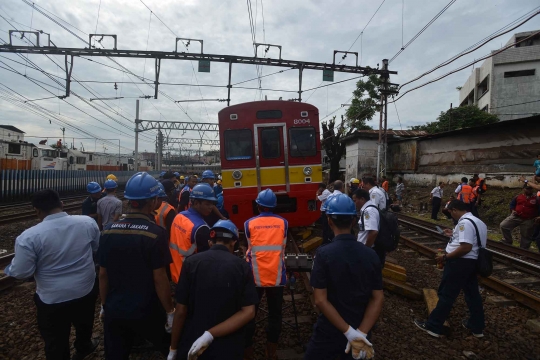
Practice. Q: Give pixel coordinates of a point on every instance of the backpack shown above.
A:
(388, 236)
(388, 200)
(484, 263)
(482, 186)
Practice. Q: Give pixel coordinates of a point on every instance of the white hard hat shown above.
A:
(352, 179)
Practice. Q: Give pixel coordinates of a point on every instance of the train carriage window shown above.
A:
(35, 152)
(81, 160)
(14, 148)
(271, 146)
(269, 114)
(303, 141)
(238, 144)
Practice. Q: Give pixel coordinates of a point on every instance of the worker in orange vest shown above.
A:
(475, 197)
(184, 197)
(384, 184)
(266, 236)
(465, 191)
(190, 233)
(164, 213)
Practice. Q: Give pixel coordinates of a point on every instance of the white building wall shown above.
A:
(351, 160)
(10, 135)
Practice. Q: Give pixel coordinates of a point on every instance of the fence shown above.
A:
(21, 184)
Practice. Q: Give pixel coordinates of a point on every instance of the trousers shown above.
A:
(274, 301)
(459, 274)
(526, 230)
(326, 343)
(55, 320)
(435, 207)
(326, 232)
(121, 333)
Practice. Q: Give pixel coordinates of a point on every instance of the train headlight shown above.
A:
(308, 170)
(237, 174)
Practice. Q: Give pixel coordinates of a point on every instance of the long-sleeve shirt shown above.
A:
(58, 253)
(323, 197)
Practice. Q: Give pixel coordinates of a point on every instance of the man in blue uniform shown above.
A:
(208, 177)
(214, 315)
(89, 205)
(134, 288)
(347, 287)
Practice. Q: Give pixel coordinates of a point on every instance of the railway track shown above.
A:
(30, 215)
(512, 276)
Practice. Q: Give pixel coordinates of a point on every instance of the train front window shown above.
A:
(238, 144)
(271, 146)
(302, 141)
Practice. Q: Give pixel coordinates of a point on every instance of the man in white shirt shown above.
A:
(338, 189)
(436, 198)
(377, 196)
(368, 222)
(459, 273)
(322, 195)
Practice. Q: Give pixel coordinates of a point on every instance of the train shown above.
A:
(271, 144)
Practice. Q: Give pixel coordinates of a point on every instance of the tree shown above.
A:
(332, 145)
(458, 118)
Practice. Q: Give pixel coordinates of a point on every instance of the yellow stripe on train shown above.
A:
(271, 176)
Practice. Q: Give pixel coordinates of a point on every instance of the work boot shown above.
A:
(271, 350)
(248, 353)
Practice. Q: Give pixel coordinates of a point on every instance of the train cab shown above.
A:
(47, 158)
(276, 145)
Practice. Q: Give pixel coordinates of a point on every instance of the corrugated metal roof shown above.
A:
(12, 128)
(400, 133)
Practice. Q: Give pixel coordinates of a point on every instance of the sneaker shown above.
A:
(81, 355)
(422, 326)
(477, 335)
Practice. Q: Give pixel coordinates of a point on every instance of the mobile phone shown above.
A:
(439, 229)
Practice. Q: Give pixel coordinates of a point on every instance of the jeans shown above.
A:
(274, 301)
(55, 320)
(435, 207)
(526, 230)
(459, 274)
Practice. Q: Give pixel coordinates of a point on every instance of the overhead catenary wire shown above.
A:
(422, 30)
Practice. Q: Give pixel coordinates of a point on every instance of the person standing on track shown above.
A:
(109, 208)
(200, 326)
(267, 236)
(190, 233)
(209, 178)
(436, 198)
(134, 288)
(400, 190)
(165, 213)
(384, 184)
(322, 195)
(65, 275)
(89, 205)
(459, 273)
(183, 198)
(368, 223)
(170, 190)
(338, 188)
(378, 197)
(347, 288)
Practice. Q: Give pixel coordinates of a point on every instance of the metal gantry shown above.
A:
(199, 142)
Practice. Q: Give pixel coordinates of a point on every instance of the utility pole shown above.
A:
(136, 162)
(160, 149)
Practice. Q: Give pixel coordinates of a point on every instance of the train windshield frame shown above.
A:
(238, 144)
(271, 143)
(303, 141)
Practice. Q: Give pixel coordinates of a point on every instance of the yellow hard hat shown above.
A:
(111, 177)
(356, 181)
(182, 177)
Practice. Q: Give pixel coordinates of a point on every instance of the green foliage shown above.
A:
(458, 118)
(365, 103)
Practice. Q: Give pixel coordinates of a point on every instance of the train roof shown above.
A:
(269, 105)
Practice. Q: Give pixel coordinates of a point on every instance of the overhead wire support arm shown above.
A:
(68, 69)
(156, 83)
(90, 36)
(187, 44)
(192, 141)
(344, 56)
(145, 125)
(268, 46)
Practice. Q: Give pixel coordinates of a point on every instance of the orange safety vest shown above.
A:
(465, 194)
(182, 240)
(180, 196)
(385, 185)
(267, 236)
(481, 181)
(162, 212)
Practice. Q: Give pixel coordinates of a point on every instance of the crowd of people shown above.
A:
(168, 271)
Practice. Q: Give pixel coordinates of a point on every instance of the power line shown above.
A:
(467, 65)
(422, 30)
(397, 113)
(362, 32)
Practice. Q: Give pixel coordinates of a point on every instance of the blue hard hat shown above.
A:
(162, 193)
(110, 184)
(162, 173)
(340, 204)
(177, 174)
(93, 187)
(267, 198)
(208, 174)
(203, 192)
(141, 186)
(230, 229)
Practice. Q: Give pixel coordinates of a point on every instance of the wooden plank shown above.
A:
(312, 244)
(402, 289)
(391, 274)
(391, 260)
(394, 267)
(431, 298)
(304, 234)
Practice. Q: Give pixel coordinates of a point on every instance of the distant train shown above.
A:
(276, 145)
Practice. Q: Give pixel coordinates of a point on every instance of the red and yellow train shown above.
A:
(271, 144)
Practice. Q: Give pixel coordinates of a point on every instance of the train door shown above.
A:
(272, 156)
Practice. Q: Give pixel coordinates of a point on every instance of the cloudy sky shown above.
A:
(306, 30)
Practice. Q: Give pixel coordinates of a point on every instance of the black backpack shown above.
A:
(388, 236)
(484, 263)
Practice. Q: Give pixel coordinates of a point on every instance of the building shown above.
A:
(361, 150)
(508, 83)
(11, 133)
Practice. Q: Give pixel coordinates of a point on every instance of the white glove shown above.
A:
(170, 318)
(200, 345)
(101, 314)
(356, 335)
(172, 354)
